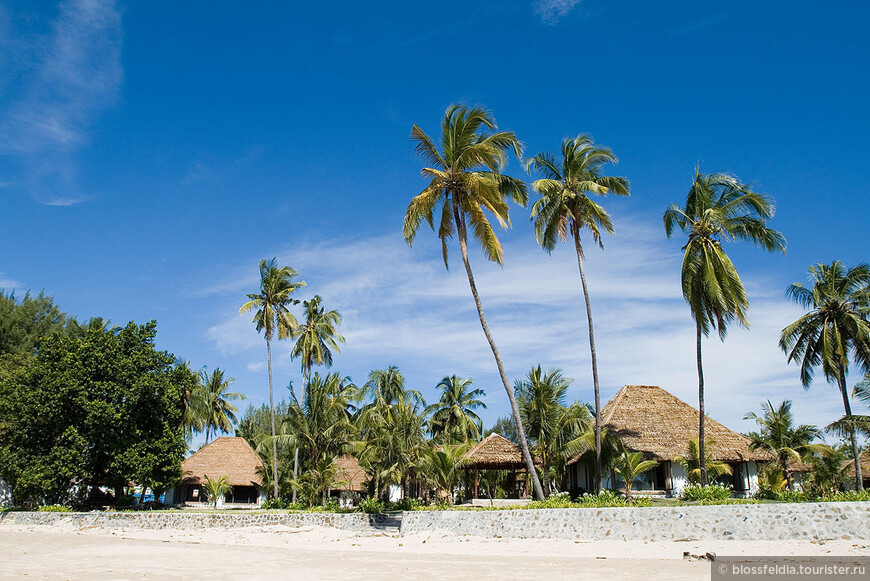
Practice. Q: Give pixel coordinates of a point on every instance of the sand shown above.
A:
(279, 552)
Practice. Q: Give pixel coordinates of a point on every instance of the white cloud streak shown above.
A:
(551, 11)
(401, 307)
(64, 81)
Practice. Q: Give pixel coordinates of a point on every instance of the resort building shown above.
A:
(495, 452)
(228, 457)
(648, 419)
(865, 471)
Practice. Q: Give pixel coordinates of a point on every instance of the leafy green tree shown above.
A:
(829, 464)
(104, 409)
(565, 207)
(467, 181)
(779, 437)
(630, 465)
(453, 418)
(505, 427)
(216, 488)
(718, 208)
(551, 425)
(272, 316)
(220, 414)
(833, 332)
(691, 463)
(25, 323)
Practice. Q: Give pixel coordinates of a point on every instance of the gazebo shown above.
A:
(495, 452)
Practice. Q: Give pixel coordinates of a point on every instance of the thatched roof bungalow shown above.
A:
(495, 452)
(228, 457)
(651, 420)
(865, 471)
(348, 469)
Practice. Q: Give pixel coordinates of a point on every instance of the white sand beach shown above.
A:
(277, 552)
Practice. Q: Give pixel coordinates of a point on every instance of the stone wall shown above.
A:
(816, 521)
(193, 520)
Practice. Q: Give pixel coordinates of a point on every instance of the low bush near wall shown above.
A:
(711, 492)
(54, 508)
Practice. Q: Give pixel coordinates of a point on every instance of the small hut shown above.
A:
(229, 457)
(495, 452)
(865, 471)
(348, 470)
(651, 420)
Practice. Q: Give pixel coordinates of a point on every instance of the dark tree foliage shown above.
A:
(103, 408)
(505, 427)
(26, 322)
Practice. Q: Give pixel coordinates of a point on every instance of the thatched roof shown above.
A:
(495, 452)
(865, 465)
(226, 456)
(349, 470)
(651, 420)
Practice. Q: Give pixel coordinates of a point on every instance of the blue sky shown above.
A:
(151, 154)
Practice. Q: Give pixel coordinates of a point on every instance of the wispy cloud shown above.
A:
(63, 81)
(401, 307)
(550, 11)
(703, 23)
(8, 284)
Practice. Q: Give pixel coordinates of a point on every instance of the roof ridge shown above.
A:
(617, 399)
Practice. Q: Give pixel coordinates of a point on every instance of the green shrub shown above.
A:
(372, 505)
(54, 508)
(696, 492)
(849, 496)
(279, 503)
(404, 504)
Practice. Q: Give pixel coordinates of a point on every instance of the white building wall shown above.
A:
(679, 479)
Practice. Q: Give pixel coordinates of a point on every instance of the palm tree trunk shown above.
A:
(841, 379)
(524, 445)
(579, 248)
(272, 417)
(295, 470)
(702, 457)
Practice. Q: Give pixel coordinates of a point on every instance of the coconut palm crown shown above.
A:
(465, 180)
(565, 207)
(718, 208)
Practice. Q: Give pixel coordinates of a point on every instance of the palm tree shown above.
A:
(273, 316)
(860, 423)
(566, 208)
(453, 418)
(315, 341)
(220, 414)
(467, 181)
(392, 426)
(320, 422)
(216, 488)
(630, 465)
(691, 463)
(835, 330)
(718, 208)
(779, 437)
(551, 425)
(441, 468)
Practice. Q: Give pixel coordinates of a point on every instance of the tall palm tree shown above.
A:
(779, 437)
(316, 339)
(453, 418)
(718, 208)
(833, 332)
(272, 316)
(466, 180)
(551, 425)
(220, 414)
(564, 208)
